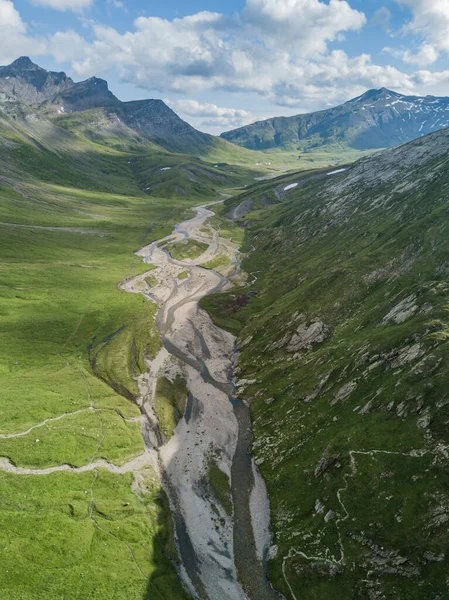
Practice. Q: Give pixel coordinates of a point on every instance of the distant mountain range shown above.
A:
(55, 93)
(377, 119)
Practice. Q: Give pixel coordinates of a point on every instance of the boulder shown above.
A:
(308, 335)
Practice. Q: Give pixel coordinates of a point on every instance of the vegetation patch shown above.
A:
(72, 341)
(225, 309)
(170, 403)
(189, 249)
(151, 280)
(84, 536)
(221, 487)
(76, 440)
(222, 260)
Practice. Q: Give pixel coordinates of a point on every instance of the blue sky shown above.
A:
(221, 64)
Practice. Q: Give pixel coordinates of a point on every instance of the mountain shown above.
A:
(154, 120)
(24, 81)
(344, 360)
(58, 95)
(377, 119)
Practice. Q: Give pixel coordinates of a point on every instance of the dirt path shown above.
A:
(221, 554)
(61, 229)
(144, 460)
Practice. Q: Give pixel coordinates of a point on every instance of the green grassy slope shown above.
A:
(219, 157)
(71, 215)
(343, 349)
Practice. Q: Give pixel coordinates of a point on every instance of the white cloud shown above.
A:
(64, 5)
(10, 17)
(14, 41)
(430, 21)
(211, 50)
(430, 24)
(278, 50)
(64, 45)
(382, 17)
(426, 55)
(194, 108)
(210, 116)
(306, 25)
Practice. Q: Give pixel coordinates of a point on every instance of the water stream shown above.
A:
(221, 557)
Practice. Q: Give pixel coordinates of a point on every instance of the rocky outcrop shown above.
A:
(24, 81)
(308, 335)
(402, 311)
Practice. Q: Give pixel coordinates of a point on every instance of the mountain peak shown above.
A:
(379, 118)
(97, 81)
(375, 94)
(24, 63)
(24, 81)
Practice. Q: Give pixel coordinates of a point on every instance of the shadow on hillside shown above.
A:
(164, 582)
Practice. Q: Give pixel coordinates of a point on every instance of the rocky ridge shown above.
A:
(377, 119)
(57, 95)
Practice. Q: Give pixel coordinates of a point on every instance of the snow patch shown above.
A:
(335, 172)
(290, 187)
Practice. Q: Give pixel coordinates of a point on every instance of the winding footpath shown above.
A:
(222, 555)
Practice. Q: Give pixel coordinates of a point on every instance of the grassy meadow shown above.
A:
(71, 344)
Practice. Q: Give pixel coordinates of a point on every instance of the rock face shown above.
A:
(155, 120)
(402, 311)
(377, 119)
(25, 82)
(308, 335)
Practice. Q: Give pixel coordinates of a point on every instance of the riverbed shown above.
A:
(222, 555)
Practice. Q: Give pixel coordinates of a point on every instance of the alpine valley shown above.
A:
(223, 370)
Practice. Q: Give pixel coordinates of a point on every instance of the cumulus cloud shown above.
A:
(277, 49)
(245, 52)
(10, 17)
(430, 21)
(13, 39)
(197, 109)
(305, 25)
(211, 116)
(426, 55)
(64, 5)
(430, 24)
(64, 45)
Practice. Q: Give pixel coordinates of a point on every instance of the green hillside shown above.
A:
(344, 361)
(72, 213)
